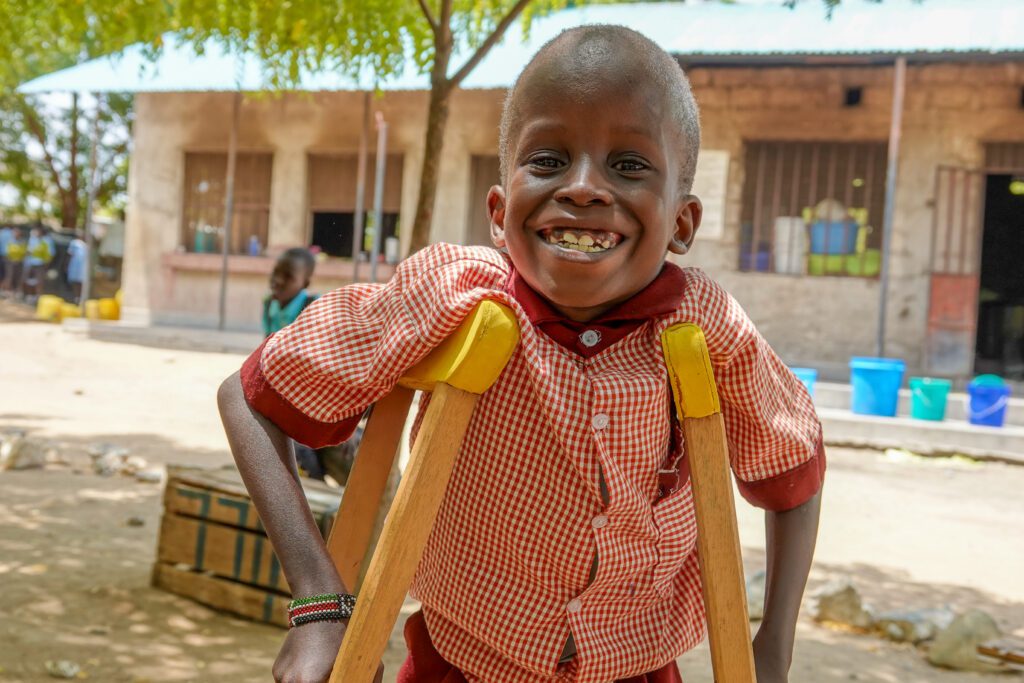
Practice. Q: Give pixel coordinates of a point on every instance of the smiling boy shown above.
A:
(565, 548)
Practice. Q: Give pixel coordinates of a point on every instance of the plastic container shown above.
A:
(108, 309)
(928, 398)
(92, 309)
(790, 245)
(70, 311)
(819, 264)
(833, 237)
(876, 385)
(808, 376)
(987, 398)
(866, 264)
(758, 261)
(48, 308)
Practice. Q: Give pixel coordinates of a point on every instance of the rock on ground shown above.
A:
(914, 626)
(956, 646)
(840, 603)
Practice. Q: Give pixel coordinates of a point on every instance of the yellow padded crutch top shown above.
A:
(472, 358)
(696, 394)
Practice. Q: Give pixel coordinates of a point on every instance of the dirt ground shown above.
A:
(74, 574)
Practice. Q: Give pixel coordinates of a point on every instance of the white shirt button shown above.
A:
(600, 421)
(590, 338)
(574, 606)
(599, 522)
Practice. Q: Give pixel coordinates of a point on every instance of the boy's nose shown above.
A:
(584, 185)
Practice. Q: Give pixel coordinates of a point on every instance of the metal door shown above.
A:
(954, 271)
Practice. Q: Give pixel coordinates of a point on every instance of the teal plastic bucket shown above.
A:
(928, 398)
(808, 376)
(988, 396)
(876, 385)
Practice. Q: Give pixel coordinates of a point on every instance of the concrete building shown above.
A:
(792, 172)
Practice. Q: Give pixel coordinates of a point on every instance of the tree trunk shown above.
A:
(70, 199)
(437, 119)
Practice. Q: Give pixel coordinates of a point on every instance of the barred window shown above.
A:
(813, 208)
(205, 188)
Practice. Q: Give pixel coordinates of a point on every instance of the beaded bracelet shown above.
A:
(327, 607)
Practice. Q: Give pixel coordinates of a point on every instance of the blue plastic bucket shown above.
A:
(928, 398)
(808, 376)
(833, 237)
(988, 396)
(876, 385)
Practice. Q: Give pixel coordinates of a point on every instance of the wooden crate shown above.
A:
(213, 548)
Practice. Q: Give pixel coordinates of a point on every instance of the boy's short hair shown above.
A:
(661, 67)
(300, 255)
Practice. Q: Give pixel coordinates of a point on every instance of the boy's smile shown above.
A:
(592, 200)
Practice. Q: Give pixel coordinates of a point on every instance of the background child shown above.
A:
(77, 259)
(565, 548)
(40, 251)
(288, 297)
(15, 253)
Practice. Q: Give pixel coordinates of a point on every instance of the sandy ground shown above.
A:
(74, 575)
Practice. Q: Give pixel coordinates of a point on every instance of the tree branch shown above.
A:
(429, 15)
(492, 39)
(37, 130)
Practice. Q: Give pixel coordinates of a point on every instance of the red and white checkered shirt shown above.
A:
(506, 576)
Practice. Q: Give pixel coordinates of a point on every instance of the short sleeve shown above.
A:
(315, 378)
(773, 431)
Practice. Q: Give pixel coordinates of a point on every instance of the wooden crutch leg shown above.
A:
(718, 544)
(457, 372)
(354, 521)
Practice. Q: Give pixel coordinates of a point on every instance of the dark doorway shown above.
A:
(1000, 347)
(333, 232)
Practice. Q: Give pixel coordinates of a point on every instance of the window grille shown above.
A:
(813, 208)
(203, 210)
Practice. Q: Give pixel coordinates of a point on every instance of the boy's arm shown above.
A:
(790, 539)
(266, 462)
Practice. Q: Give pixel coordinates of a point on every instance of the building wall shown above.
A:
(951, 111)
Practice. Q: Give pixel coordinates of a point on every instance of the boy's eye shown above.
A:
(546, 162)
(631, 165)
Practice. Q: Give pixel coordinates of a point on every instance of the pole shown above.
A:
(360, 217)
(899, 88)
(378, 194)
(229, 207)
(94, 144)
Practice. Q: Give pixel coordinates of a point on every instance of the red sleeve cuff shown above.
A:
(265, 400)
(790, 489)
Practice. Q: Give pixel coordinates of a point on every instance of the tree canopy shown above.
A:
(375, 37)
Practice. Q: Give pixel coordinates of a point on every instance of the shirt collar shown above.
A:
(662, 296)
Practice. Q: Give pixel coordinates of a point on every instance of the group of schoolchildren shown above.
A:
(27, 254)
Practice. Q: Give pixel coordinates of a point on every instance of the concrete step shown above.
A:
(843, 428)
(828, 395)
(165, 337)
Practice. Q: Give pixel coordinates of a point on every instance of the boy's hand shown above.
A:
(308, 653)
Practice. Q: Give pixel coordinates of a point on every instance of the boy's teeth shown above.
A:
(568, 239)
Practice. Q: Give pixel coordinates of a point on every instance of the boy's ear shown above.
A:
(687, 222)
(496, 212)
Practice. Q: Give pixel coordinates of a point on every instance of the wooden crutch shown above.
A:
(718, 543)
(464, 366)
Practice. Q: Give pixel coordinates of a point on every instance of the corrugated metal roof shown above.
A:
(709, 31)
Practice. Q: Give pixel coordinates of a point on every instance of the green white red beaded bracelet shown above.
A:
(327, 607)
